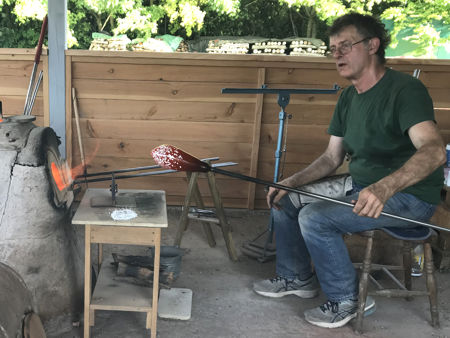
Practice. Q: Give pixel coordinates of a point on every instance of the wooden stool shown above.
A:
(417, 235)
(193, 192)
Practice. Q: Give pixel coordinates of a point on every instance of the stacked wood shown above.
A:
(227, 47)
(307, 47)
(183, 47)
(110, 44)
(276, 47)
(99, 44)
(151, 45)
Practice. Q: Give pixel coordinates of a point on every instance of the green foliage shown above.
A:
(419, 16)
(20, 20)
(264, 18)
(10, 34)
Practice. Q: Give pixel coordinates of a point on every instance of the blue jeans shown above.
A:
(315, 233)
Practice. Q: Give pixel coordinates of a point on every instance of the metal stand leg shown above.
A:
(252, 249)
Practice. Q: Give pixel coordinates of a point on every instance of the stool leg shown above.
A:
(407, 265)
(431, 284)
(224, 226)
(363, 283)
(182, 223)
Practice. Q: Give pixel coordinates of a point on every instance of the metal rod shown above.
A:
(126, 170)
(30, 85)
(102, 179)
(280, 90)
(33, 96)
(37, 58)
(321, 197)
(160, 172)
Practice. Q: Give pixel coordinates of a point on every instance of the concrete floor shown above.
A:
(224, 304)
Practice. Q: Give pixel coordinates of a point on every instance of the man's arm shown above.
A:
(323, 166)
(429, 156)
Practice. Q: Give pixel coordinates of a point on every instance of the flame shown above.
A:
(59, 176)
(64, 176)
(1, 120)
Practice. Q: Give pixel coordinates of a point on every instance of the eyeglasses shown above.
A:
(345, 47)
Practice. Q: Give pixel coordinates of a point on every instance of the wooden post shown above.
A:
(256, 139)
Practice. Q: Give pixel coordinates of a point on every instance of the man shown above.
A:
(385, 122)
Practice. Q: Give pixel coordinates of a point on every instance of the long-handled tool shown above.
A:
(170, 157)
(77, 122)
(28, 102)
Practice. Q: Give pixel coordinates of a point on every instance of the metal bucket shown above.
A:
(170, 259)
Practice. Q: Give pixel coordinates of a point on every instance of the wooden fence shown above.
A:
(131, 102)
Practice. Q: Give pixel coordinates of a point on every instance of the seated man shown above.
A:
(385, 122)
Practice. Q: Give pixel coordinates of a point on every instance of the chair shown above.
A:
(409, 236)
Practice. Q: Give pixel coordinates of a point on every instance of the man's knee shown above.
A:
(286, 216)
(310, 218)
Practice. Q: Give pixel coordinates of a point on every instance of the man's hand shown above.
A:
(273, 197)
(371, 200)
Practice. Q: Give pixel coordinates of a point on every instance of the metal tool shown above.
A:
(171, 157)
(112, 176)
(33, 96)
(27, 107)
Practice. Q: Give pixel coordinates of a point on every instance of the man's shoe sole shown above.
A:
(367, 312)
(298, 293)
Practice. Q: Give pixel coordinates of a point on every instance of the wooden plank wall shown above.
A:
(15, 72)
(131, 102)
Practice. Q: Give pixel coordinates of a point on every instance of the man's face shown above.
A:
(351, 59)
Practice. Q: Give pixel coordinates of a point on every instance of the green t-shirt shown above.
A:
(375, 126)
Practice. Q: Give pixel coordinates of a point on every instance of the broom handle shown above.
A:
(321, 197)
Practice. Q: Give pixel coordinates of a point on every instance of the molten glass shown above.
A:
(170, 157)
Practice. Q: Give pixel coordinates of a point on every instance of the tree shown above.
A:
(137, 18)
(421, 17)
(21, 19)
(417, 15)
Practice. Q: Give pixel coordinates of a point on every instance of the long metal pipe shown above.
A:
(159, 172)
(126, 170)
(321, 197)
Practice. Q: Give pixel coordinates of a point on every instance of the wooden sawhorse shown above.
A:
(193, 193)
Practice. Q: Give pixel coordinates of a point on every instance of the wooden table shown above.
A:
(147, 214)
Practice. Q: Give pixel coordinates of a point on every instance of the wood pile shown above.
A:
(227, 47)
(183, 47)
(150, 45)
(112, 44)
(310, 47)
(288, 46)
(270, 47)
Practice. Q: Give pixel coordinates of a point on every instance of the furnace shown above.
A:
(37, 240)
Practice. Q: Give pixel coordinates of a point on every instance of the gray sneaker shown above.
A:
(337, 314)
(279, 287)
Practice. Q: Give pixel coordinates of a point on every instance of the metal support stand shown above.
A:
(252, 249)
